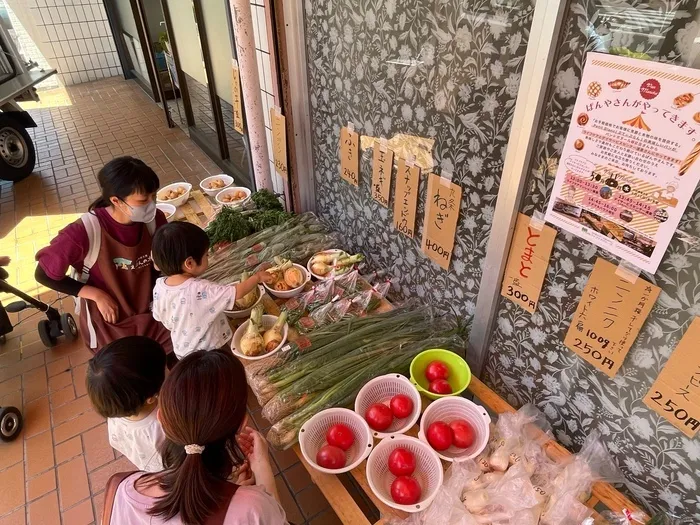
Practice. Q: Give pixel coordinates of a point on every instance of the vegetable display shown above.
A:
(337, 262)
(252, 342)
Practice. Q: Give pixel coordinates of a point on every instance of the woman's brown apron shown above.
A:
(129, 281)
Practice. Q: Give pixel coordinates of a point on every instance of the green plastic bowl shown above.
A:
(460, 374)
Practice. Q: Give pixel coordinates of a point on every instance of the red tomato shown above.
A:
(402, 462)
(379, 417)
(340, 436)
(330, 457)
(463, 433)
(439, 435)
(401, 406)
(405, 490)
(437, 370)
(440, 386)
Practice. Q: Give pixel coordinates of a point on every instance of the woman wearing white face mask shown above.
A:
(109, 251)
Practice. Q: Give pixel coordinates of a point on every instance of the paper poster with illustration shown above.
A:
(630, 162)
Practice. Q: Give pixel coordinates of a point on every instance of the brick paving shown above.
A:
(56, 471)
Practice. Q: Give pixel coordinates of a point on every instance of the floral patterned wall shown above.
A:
(444, 70)
(528, 362)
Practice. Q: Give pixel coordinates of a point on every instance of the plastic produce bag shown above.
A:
(573, 484)
(626, 517)
(518, 437)
(296, 306)
(345, 285)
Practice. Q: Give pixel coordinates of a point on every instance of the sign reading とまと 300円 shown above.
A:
(630, 163)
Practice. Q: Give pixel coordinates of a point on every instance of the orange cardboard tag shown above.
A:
(442, 212)
(350, 156)
(528, 261)
(406, 197)
(279, 142)
(609, 316)
(675, 394)
(237, 102)
(382, 164)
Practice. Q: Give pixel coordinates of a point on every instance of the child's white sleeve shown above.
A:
(223, 296)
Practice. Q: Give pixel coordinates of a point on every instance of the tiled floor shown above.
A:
(55, 472)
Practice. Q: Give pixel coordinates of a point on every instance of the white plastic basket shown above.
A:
(232, 189)
(294, 291)
(312, 436)
(447, 409)
(242, 314)
(267, 322)
(179, 201)
(428, 473)
(380, 390)
(212, 192)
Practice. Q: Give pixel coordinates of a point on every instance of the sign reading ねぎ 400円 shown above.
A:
(630, 162)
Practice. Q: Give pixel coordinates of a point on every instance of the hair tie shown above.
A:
(194, 449)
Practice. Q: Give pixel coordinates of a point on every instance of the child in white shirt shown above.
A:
(123, 381)
(191, 308)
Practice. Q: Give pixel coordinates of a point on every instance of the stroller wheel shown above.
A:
(10, 423)
(68, 327)
(45, 334)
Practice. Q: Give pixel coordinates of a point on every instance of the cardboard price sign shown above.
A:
(236, 97)
(527, 263)
(675, 394)
(441, 216)
(406, 197)
(279, 142)
(609, 316)
(350, 156)
(382, 164)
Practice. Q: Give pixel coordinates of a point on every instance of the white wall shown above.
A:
(72, 35)
(187, 39)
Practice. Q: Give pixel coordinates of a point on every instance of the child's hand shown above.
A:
(254, 446)
(265, 277)
(243, 475)
(4, 260)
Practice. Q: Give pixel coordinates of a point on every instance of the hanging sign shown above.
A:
(279, 142)
(609, 316)
(406, 197)
(442, 212)
(629, 165)
(528, 261)
(350, 156)
(382, 164)
(236, 98)
(675, 394)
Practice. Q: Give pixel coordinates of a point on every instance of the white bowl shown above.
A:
(380, 390)
(294, 291)
(204, 185)
(231, 190)
(312, 436)
(175, 202)
(428, 473)
(328, 275)
(267, 322)
(448, 409)
(168, 209)
(241, 314)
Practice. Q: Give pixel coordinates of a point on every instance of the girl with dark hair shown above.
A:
(109, 251)
(202, 409)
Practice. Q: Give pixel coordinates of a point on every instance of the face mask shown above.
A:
(144, 213)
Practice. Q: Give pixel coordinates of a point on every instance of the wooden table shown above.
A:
(199, 210)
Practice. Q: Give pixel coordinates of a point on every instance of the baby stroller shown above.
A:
(50, 329)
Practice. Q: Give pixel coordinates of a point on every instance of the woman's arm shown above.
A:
(67, 285)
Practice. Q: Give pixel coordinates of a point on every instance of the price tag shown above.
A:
(236, 97)
(382, 164)
(675, 394)
(350, 156)
(279, 142)
(406, 197)
(442, 212)
(527, 264)
(609, 316)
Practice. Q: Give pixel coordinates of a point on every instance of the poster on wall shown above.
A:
(609, 316)
(406, 197)
(528, 261)
(441, 214)
(236, 96)
(630, 162)
(350, 156)
(675, 394)
(279, 142)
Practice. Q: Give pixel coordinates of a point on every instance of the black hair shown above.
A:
(123, 176)
(124, 374)
(174, 242)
